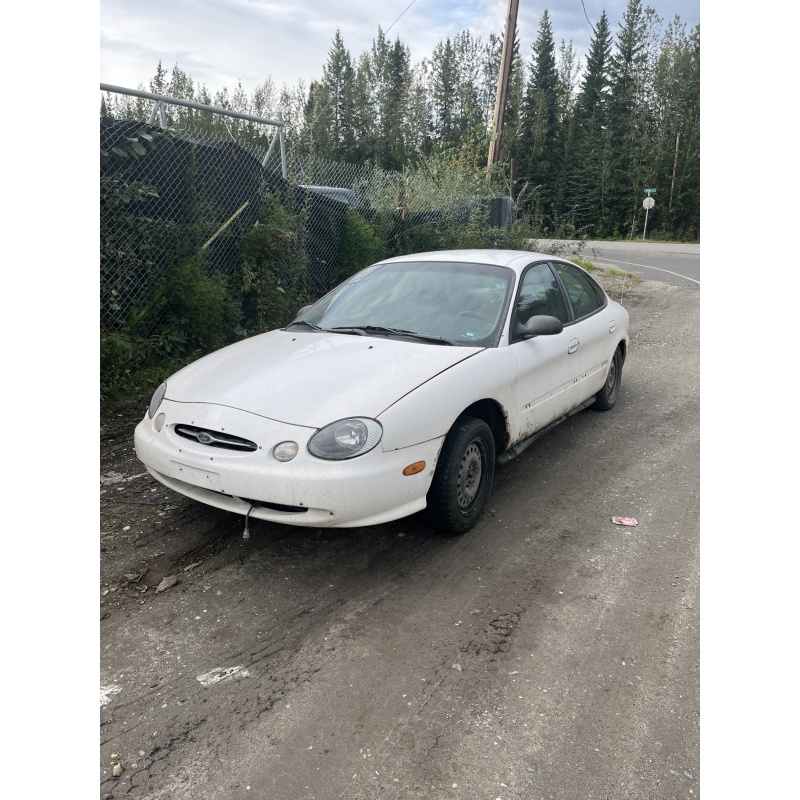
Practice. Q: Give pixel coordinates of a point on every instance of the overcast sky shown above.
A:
(222, 42)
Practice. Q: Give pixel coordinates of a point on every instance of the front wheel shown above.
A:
(463, 476)
(607, 397)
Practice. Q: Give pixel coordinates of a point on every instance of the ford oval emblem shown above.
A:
(204, 438)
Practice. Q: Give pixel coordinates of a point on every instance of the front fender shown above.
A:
(429, 411)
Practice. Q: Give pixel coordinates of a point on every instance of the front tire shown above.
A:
(463, 476)
(607, 397)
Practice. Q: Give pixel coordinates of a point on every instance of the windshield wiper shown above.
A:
(401, 332)
(349, 329)
(366, 330)
(306, 323)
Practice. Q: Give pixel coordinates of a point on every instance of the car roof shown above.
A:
(514, 259)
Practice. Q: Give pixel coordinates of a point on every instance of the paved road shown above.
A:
(676, 264)
(546, 654)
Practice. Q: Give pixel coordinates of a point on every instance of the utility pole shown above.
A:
(502, 85)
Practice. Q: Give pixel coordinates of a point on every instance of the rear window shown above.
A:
(584, 294)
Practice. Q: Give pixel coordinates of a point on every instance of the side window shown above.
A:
(584, 294)
(539, 293)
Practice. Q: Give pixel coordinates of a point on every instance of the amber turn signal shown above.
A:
(413, 469)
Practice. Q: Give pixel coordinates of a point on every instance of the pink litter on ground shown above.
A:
(629, 521)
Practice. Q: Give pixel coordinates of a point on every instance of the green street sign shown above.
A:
(650, 191)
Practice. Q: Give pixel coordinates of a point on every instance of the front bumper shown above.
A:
(306, 491)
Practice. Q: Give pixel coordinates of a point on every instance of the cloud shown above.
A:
(221, 42)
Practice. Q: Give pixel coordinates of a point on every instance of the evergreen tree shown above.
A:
(364, 122)
(627, 119)
(203, 96)
(539, 141)
(396, 88)
(512, 123)
(490, 69)
(291, 105)
(587, 178)
(158, 83)
(584, 156)
(337, 78)
(567, 71)
(676, 166)
(443, 89)
(419, 116)
(264, 101)
(315, 138)
(180, 84)
(468, 52)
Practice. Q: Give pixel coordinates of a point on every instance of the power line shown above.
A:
(406, 9)
(587, 18)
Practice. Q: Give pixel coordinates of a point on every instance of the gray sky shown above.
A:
(222, 42)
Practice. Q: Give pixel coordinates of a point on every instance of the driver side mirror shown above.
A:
(540, 325)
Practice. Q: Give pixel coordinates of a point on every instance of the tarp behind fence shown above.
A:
(200, 184)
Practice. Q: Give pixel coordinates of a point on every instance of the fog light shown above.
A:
(158, 423)
(413, 469)
(285, 451)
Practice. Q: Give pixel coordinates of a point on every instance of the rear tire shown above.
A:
(607, 397)
(463, 476)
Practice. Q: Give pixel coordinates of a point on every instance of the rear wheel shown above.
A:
(463, 476)
(607, 397)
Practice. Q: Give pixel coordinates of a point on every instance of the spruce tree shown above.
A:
(539, 139)
(468, 51)
(444, 84)
(396, 92)
(365, 123)
(626, 119)
(676, 160)
(315, 139)
(509, 145)
(588, 177)
(337, 77)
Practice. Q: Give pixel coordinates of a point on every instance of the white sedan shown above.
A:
(399, 390)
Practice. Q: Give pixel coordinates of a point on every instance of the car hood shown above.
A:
(312, 379)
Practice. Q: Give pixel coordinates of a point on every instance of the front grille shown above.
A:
(215, 438)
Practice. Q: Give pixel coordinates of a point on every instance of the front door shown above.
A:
(548, 366)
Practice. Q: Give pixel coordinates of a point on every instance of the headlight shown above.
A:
(346, 438)
(158, 396)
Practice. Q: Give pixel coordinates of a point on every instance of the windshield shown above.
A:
(450, 303)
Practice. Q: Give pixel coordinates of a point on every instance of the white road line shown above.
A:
(647, 266)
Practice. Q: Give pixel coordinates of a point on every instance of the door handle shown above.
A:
(573, 346)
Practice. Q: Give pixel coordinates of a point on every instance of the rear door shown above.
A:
(592, 328)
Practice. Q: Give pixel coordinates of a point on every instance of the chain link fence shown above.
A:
(176, 177)
(179, 177)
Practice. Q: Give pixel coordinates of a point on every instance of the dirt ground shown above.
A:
(546, 654)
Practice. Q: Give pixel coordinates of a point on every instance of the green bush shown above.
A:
(195, 308)
(132, 366)
(273, 282)
(362, 244)
(191, 314)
